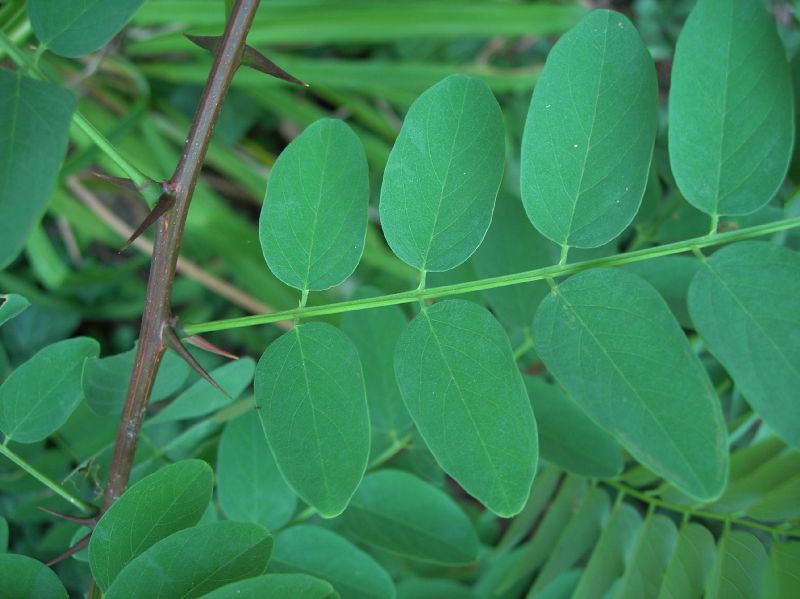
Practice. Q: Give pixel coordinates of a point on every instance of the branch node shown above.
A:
(171, 341)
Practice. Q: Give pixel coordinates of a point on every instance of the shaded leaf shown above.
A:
(160, 504)
(322, 553)
(461, 385)
(589, 134)
(314, 218)
(671, 276)
(443, 174)
(744, 303)
(399, 513)
(76, 27)
(782, 578)
(34, 120)
(23, 577)
(568, 437)
(651, 556)
(276, 586)
(685, 577)
(194, 561)
(250, 487)
(38, 397)
(202, 398)
(11, 305)
(310, 390)
(731, 111)
(609, 338)
(739, 568)
(426, 588)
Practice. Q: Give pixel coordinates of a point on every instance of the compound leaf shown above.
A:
(251, 489)
(590, 132)
(443, 174)
(22, 576)
(38, 397)
(609, 338)
(731, 110)
(76, 27)
(314, 219)
(310, 390)
(160, 504)
(194, 561)
(322, 553)
(276, 586)
(744, 302)
(397, 512)
(34, 123)
(461, 385)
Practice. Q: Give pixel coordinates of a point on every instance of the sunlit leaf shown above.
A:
(442, 177)
(589, 134)
(194, 561)
(399, 513)
(324, 554)
(314, 219)
(77, 27)
(461, 385)
(730, 104)
(250, 487)
(160, 504)
(34, 121)
(38, 397)
(609, 338)
(745, 302)
(310, 392)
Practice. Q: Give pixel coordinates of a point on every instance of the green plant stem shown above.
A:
(24, 61)
(549, 272)
(45, 480)
(654, 502)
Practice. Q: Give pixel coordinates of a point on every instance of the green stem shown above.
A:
(654, 502)
(45, 480)
(549, 272)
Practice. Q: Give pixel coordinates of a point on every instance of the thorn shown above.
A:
(71, 551)
(205, 344)
(252, 58)
(172, 341)
(122, 181)
(164, 203)
(85, 521)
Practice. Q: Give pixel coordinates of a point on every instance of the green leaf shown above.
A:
(11, 305)
(782, 578)
(671, 276)
(461, 385)
(314, 219)
(651, 556)
(443, 174)
(322, 553)
(249, 485)
(610, 554)
(203, 398)
(739, 568)
(105, 380)
(76, 27)
(160, 504)
(589, 134)
(731, 123)
(310, 390)
(397, 512)
(38, 397)
(744, 303)
(609, 338)
(276, 586)
(568, 437)
(375, 334)
(194, 561)
(22, 577)
(3, 535)
(427, 588)
(512, 246)
(685, 577)
(34, 119)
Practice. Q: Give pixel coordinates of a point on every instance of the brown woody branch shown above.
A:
(157, 314)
